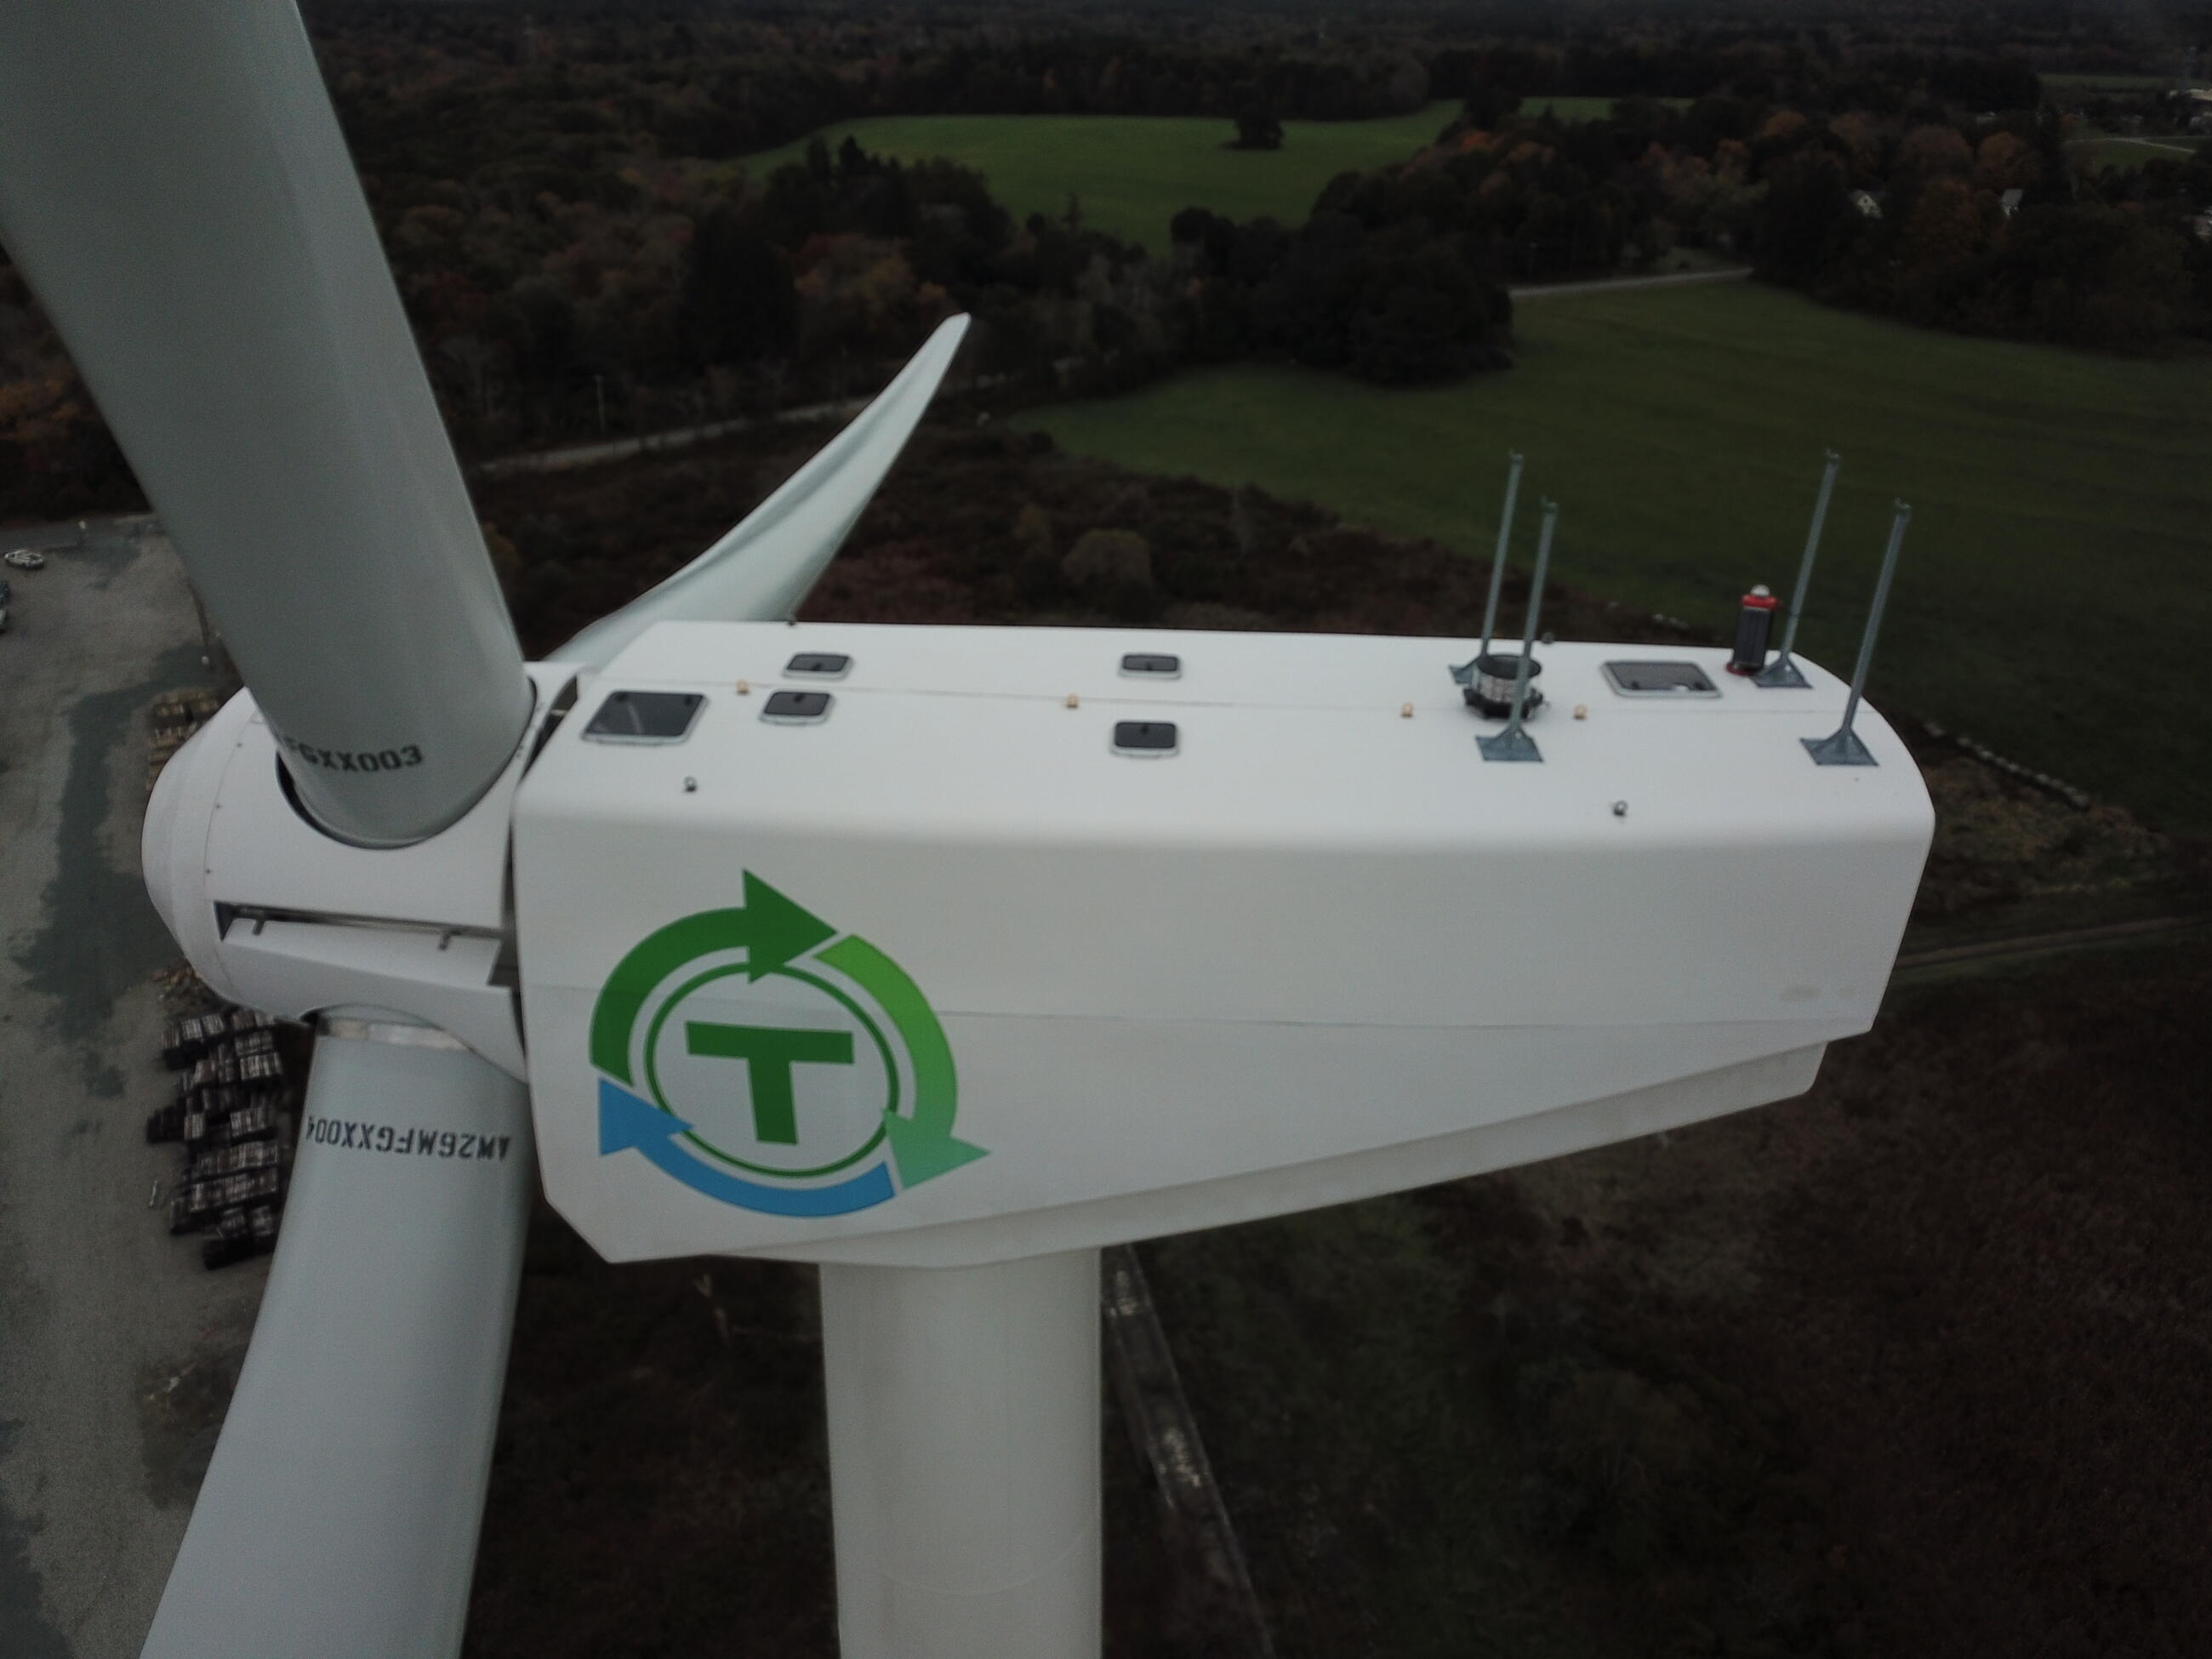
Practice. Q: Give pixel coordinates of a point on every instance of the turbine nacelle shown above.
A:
(1003, 942)
(885, 945)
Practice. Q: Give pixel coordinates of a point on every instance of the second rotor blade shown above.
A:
(339, 1517)
(762, 570)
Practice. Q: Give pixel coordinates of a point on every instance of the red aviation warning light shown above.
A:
(1754, 626)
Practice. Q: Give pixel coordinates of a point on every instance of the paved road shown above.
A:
(2126, 138)
(682, 437)
(116, 1347)
(1622, 284)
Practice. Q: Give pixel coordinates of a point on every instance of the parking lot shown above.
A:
(116, 1347)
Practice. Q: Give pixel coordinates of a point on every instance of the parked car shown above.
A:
(25, 558)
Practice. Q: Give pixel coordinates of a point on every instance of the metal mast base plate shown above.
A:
(1781, 673)
(1839, 748)
(1513, 744)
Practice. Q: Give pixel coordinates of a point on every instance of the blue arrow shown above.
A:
(628, 1122)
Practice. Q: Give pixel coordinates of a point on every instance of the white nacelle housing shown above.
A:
(1320, 950)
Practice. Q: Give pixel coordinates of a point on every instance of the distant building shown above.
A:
(2202, 224)
(2010, 201)
(1870, 203)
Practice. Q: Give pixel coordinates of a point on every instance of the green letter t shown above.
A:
(770, 1053)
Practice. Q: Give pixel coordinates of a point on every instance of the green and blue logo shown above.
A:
(760, 1057)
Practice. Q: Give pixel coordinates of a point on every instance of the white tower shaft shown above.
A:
(963, 1458)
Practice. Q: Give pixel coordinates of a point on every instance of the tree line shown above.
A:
(1979, 224)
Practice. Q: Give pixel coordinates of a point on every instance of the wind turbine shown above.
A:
(942, 957)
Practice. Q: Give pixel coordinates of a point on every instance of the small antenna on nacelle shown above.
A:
(1497, 559)
(1488, 683)
(1513, 744)
(1843, 746)
(1782, 672)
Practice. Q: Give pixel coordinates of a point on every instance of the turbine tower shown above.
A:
(939, 957)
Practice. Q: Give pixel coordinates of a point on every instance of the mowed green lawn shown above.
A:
(2055, 598)
(2076, 85)
(2105, 151)
(1134, 173)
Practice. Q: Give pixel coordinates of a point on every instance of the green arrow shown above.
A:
(923, 1146)
(781, 930)
(770, 929)
(923, 1154)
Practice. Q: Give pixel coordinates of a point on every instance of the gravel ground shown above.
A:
(116, 1347)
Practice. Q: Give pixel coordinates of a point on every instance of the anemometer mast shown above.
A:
(941, 957)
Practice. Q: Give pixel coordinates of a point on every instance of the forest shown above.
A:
(582, 250)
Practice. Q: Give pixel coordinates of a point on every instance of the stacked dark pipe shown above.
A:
(234, 1090)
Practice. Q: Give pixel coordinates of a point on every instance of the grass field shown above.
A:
(2106, 151)
(1134, 173)
(2053, 599)
(2074, 85)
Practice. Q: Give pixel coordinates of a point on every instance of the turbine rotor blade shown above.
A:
(174, 185)
(338, 1519)
(763, 568)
